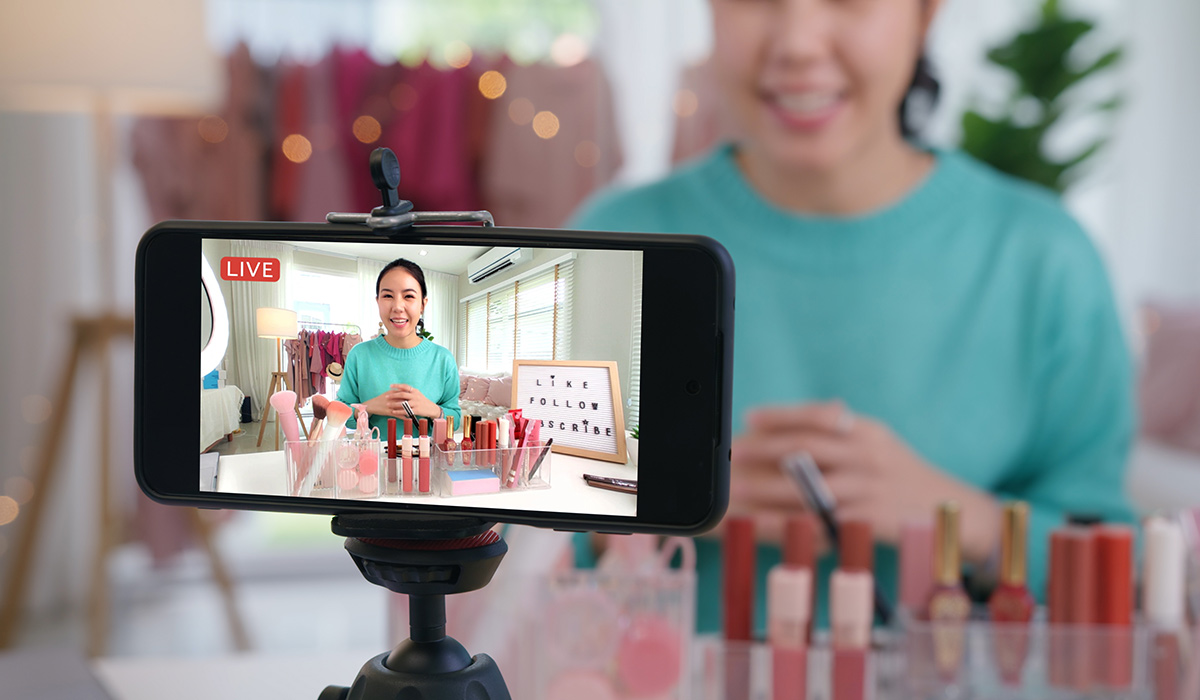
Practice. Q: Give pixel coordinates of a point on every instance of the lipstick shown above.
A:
(1164, 568)
(1011, 605)
(1080, 599)
(423, 457)
(916, 567)
(738, 569)
(1114, 597)
(949, 607)
(851, 609)
(467, 444)
(391, 456)
(439, 430)
(406, 457)
(789, 610)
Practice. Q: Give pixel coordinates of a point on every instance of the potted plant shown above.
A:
(631, 444)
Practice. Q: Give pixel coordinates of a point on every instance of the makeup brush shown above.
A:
(284, 403)
(336, 416)
(319, 405)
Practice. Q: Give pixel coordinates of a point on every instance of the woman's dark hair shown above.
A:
(919, 101)
(410, 267)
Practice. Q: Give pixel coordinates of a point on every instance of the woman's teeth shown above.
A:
(804, 103)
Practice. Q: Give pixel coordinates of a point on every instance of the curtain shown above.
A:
(368, 315)
(442, 310)
(253, 358)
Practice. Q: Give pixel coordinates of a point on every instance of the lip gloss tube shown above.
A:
(916, 567)
(423, 457)
(449, 446)
(738, 569)
(466, 445)
(1114, 579)
(1011, 605)
(949, 607)
(390, 484)
(1081, 608)
(1057, 592)
(406, 457)
(851, 609)
(439, 430)
(1164, 576)
(789, 610)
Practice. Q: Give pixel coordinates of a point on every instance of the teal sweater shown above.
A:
(973, 317)
(374, 366)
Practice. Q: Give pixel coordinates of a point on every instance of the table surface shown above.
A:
(266, 473)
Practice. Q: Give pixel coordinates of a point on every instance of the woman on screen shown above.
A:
(925, 327)
(400, 365)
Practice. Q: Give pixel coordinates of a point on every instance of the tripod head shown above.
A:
(426, 558)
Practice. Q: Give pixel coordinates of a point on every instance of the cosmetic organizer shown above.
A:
(347, 468)
(461, 473)
(611, 635)
(974, 660)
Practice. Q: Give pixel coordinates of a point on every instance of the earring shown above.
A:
(420, 325)
(382, 330)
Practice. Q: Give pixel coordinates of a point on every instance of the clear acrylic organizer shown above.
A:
(347, 468)
(472, 472)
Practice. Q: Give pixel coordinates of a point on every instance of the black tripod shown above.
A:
(427, 558)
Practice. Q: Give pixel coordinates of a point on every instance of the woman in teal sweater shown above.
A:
(399, 365)
(927, 328)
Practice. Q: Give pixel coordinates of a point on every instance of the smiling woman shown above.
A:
(400, 367)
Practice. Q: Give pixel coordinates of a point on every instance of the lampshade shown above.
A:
(138, 55)
(277, 323)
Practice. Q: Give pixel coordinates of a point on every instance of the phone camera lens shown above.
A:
(692, 387)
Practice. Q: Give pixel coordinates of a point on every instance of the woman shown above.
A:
(925, 327)
(399, 365)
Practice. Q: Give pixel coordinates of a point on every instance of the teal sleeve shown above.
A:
(348, 389)
(1084, 408)
(450, 405)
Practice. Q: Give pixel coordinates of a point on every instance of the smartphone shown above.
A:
(560, 339)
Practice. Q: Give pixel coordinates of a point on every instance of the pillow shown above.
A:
(499, 391)
(462, 383)
(1169, 387)
(477, 389)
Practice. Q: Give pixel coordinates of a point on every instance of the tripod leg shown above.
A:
(224, 582)
(98, 602)
(18, 578)
(262, 428)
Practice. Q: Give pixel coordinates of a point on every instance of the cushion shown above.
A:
(499, 391)
(477, 389)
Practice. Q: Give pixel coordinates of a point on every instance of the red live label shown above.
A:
(250, 269)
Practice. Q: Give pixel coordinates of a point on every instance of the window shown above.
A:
(635, 344)
(528, 318)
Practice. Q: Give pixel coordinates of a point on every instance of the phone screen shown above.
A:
(517, 369)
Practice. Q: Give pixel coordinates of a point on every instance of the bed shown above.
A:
(220, 415)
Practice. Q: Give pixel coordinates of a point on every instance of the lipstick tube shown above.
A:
(1164, 576)
(789, 609)
(949, 607)
(406, 457)
(916, 567)
(1057, 592)
(851, 610)
(1114, 579)
(1081, 608)
(423, 457)
(738, 569)
(1011, 605)
(390, 486)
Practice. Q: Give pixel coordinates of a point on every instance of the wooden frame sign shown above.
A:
(578, 402)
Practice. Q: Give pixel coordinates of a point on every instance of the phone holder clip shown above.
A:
(396, 214)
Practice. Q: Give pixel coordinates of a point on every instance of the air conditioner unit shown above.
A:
(494, 261)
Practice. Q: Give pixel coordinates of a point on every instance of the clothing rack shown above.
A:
(348, 326)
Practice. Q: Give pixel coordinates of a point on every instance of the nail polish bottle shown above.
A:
(467, 444)
(949, 607)
(1011, 605)
(449, 446)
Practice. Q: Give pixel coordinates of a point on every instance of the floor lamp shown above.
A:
(280, 324)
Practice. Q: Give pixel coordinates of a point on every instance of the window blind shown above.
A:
(528, 318)
(635, 343)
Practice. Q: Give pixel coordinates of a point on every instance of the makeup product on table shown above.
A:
(1011, 604)
(738, 568)
(1163, 578)
(949, 607)
(1079, 596)
(323, 473)
(466, 482)
(467, 444)
(406, 457)
(391, 457)
(541, 457)
(449, 446)
(439, 431)
(609, 483)
(1114, 598)
(319, 406)
(423, 457)
(916, 568)
(805, 473)
(851, 592)
(503, 445)
(789, 610)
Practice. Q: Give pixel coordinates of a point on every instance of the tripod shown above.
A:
(427, 558)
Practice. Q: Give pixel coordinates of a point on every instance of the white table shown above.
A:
(266, 473)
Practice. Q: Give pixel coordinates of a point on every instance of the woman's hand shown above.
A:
(873, 474)
(391, 403)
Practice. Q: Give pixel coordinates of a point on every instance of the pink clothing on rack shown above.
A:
(349, 340)
(333, 348)
(531, 181)
(316, 365)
